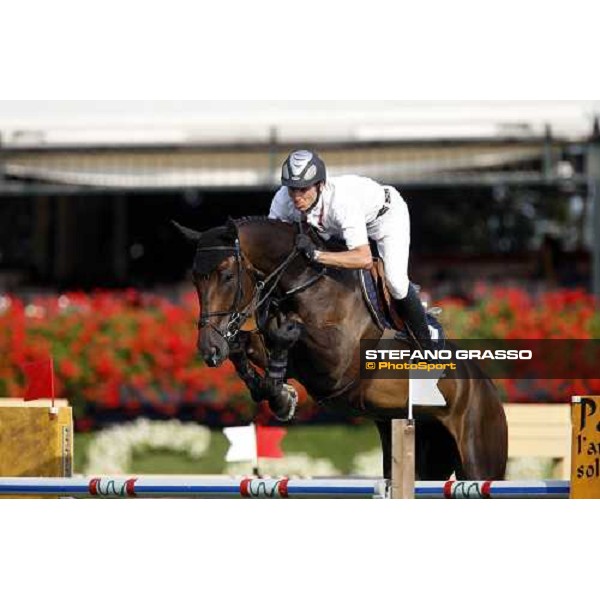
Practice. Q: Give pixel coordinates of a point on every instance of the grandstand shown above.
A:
(87, 189)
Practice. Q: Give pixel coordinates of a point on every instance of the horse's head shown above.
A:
(225, 289)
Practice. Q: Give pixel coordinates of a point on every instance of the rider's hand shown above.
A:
(306, 246)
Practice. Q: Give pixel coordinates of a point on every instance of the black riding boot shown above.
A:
(412, 311)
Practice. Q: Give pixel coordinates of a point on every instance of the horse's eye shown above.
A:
(228, 276)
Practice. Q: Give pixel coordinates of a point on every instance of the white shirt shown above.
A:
(347, 208)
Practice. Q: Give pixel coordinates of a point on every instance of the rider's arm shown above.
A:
(357, 258)
(354, 232)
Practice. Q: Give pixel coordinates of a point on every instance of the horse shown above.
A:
(239, 268)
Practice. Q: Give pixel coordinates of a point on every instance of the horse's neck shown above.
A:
(333, 301)
(266, 243)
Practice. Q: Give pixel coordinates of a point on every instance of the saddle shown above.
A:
(378, 297)
(379, 301)
(381, 306)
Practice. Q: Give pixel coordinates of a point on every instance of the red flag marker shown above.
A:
(40, 379)
(268, 440)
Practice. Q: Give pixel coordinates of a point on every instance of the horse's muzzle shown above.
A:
(212, 347)
(214, 358)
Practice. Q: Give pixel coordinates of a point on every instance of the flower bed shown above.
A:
(125, 354)
(120, 355)
(511, 313)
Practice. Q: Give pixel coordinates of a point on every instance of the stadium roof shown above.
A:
(113, 123)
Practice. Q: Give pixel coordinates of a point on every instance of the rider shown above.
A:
(354, 208)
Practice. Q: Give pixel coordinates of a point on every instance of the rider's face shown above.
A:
(304, 198)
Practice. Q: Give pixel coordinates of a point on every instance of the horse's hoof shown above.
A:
(291, 395)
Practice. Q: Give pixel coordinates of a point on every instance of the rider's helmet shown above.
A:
(302, 168)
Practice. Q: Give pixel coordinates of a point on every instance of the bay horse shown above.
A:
(239, 265)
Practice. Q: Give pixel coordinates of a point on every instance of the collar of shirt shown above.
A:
(316, 214)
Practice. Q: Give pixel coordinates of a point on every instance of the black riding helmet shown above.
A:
(302, 168)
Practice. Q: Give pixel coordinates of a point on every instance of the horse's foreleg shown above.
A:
(282, 334)
(248, 374)
(282, 398)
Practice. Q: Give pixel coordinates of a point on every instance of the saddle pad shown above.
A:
(369, 290)
(373, 301)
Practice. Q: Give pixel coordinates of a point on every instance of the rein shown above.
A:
(263, 290)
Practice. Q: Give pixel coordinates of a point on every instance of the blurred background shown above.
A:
(501, 196)
(494, 189)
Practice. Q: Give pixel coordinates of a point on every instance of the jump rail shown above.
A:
(179, 487)
(492, 489)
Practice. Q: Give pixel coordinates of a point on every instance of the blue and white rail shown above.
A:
(190, 487)
(492, 489)
(203, 487)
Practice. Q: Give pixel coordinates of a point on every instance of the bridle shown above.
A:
(235, 315)
(263, 290)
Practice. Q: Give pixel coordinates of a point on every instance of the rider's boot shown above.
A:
(412, 311)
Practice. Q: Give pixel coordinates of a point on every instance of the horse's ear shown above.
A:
(188, 234)
(231, 228)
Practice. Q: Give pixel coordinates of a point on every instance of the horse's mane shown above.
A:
(252, 219)
(222, 235)
(225, 235)
(330, 244)
(260, 219)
